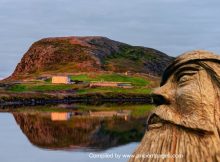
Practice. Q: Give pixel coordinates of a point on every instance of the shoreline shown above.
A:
(91, 99)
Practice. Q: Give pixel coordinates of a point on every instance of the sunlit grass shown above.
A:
(140, 90)
(136, 81)
(36, 87)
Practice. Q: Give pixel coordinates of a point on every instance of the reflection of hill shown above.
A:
(86, 132)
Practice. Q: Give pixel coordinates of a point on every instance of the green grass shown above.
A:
(82, 77)
(49, 80)
(18, 88)
(35, 87)
(139, 84)
(140, 90)
(136, 81)
(129, 58)
(58, 87)
(133, 53)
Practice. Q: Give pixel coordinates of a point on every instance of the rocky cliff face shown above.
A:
(88, 54)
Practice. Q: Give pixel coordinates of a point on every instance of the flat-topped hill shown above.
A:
(88, 54)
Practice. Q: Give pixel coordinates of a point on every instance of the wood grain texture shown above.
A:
(186, 120)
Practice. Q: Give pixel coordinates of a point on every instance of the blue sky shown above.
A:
(171, 26)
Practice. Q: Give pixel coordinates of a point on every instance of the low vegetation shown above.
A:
(42, 87)
(140, 90)
(139, 84)
(136, 81)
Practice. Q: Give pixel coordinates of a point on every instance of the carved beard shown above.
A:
(187, 144)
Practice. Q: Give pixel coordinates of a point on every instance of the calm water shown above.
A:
(33, 136)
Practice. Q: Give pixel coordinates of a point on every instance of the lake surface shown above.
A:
(31, 135)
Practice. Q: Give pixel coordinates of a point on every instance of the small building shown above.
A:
(111, 84)
(60, 116)
(61, 80)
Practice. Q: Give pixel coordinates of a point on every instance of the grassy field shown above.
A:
(139, 84)
(42, 87)
(136, 81)
(136, 90)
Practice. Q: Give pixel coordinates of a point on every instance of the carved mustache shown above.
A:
(155, 120)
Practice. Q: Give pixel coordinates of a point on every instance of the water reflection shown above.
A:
(73, 130)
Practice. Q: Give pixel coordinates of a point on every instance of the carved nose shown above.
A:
(159, 97)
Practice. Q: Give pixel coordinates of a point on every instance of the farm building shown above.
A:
(60, 116)
(111, 84)
(61, 80)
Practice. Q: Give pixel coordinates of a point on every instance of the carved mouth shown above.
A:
(154, 121)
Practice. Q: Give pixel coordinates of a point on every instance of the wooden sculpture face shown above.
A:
(189, 99)
(186, 119)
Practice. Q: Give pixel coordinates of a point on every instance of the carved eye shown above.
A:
(184, 78)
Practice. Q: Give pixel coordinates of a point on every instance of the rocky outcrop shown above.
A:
(88, 54)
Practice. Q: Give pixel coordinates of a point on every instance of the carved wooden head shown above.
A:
(187, 117)
(189, 93)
